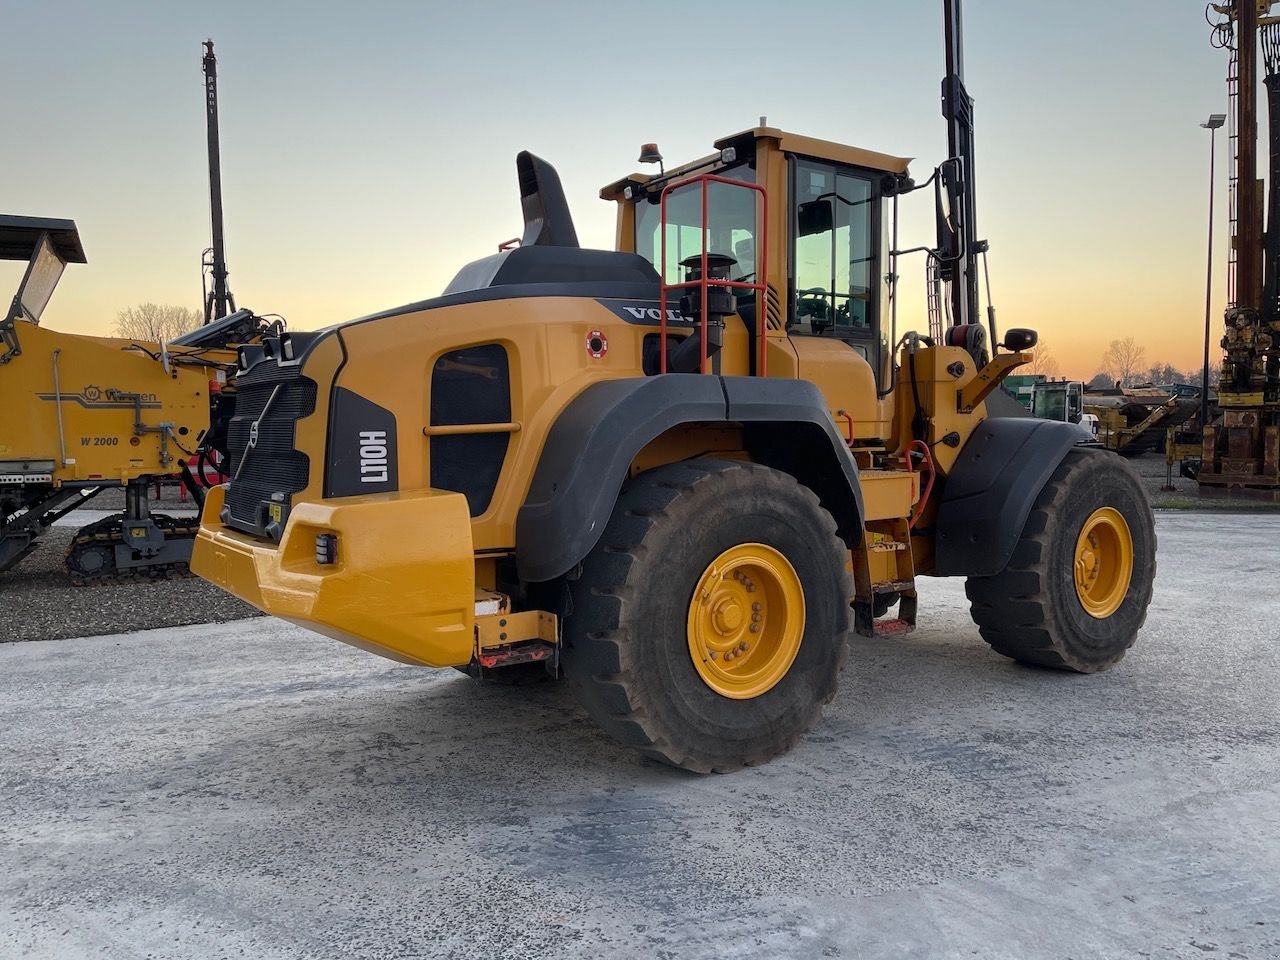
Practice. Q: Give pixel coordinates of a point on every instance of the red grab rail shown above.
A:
(705, 282)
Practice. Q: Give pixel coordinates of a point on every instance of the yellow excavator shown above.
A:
(676, 473)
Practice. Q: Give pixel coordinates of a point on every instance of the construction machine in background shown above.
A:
(676, 473)
(84, 414)
(1240, 457)
(1062, 400)
(1131, 422)
(1137, 421)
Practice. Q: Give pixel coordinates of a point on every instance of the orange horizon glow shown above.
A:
(360, 174)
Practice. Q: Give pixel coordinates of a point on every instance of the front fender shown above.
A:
(991, 489)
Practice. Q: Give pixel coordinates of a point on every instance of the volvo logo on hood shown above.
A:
(644, 311)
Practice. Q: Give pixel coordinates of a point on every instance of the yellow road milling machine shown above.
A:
(83, 414)
(677, 473)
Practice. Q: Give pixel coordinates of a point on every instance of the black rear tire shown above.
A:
(626, 646)
(1031, 611)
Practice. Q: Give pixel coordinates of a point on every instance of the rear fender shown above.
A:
(589, 452)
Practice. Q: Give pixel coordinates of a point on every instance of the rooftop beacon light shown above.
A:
(649, 154)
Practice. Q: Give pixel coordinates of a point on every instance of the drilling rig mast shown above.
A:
(1241, 455)
(218, 300)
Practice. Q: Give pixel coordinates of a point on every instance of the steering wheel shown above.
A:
(813, 303)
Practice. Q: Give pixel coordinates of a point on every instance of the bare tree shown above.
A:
(1042, 361)
(1216, 373)
(1164, 373)
(1123, 360)
(158, 323)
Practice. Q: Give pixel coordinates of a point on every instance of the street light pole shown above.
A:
(1212, 124)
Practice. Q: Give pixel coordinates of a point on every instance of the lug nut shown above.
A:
(756, 607)
(755, 628)
(743, 647)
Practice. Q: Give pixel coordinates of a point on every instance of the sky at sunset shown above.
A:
(368, 149)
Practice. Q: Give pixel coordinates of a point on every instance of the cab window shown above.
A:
(730, 229)
(834, 273)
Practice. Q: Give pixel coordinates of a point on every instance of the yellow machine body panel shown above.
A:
(404, 572)
(97, 408)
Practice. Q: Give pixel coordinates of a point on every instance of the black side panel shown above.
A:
(362, 447)
(991, 489)
(589, 451)
(586, 458)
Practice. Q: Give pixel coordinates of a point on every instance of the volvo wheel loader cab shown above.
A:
(81, 414)
(678, 472)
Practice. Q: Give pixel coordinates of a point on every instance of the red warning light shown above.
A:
(597, 344)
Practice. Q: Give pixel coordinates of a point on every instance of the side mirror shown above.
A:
(816, 216)
(1019, 339)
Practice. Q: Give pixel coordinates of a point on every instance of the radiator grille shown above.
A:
(470, 386)
(272, 471)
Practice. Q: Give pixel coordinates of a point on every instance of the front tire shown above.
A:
(1076, 590)
(710, 620)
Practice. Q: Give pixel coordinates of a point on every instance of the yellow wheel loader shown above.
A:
(677, 473)
(83, 414)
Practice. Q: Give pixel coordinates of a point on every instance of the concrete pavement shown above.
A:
(251, 790)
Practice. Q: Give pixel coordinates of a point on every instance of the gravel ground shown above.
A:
(1185, 494)
(40, 603)
(251, 790)
(1152, 468)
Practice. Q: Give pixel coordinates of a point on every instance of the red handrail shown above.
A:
(926, 456)
(704, 283)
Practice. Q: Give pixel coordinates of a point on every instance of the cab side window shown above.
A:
(834, 275)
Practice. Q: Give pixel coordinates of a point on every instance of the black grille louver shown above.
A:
(470, 386)
(272, 471)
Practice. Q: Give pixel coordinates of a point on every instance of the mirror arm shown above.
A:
(987, 379)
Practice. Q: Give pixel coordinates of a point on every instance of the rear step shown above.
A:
(897, 627)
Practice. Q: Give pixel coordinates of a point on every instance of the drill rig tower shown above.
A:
(218, 301)
(1241, 456)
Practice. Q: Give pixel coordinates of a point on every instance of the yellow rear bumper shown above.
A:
(403, 585)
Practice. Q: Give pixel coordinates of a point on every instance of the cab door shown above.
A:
(835, 287)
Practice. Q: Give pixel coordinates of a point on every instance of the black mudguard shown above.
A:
(991, 489)
(590, 448)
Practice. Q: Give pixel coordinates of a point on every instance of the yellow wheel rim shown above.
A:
(1104, 562)
(746, 621)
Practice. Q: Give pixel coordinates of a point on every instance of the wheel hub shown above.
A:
(746, 621)
(1103, 566)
